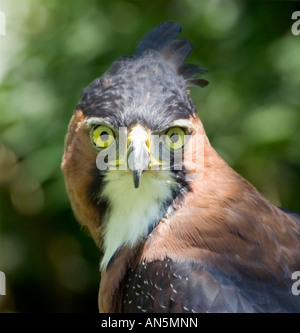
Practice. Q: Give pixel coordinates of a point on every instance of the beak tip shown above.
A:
(136, 178)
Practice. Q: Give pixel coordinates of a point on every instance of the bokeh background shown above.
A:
(53, 49)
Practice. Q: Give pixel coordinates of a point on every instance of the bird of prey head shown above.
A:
(143, 178)
(129, 126)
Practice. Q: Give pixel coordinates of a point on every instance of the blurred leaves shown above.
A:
(53, 49)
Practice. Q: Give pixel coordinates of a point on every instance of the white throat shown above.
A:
(133, 211)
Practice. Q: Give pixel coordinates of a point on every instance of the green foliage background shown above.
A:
(53, 49)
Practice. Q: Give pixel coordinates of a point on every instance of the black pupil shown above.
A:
(174, 137)
(104, 136)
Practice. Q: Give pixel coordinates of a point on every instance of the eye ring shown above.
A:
(102, 136)
(174, 137)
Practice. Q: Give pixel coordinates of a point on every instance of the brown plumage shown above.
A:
(217, 244)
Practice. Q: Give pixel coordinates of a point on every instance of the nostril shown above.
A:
(129, 143)
(147, 143)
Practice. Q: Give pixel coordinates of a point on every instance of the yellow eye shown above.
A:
(175, 137)
(102, 136)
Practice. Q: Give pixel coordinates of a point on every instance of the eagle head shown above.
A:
(134, 142)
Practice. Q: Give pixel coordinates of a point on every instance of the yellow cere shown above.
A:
(175, 137)
(103, 136)
(139, 133)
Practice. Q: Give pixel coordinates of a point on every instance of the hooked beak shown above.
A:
(138, 153)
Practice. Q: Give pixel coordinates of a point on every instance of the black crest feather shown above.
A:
(158, 37)
(162, 39)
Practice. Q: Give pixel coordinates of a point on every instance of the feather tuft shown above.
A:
(174, 51)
